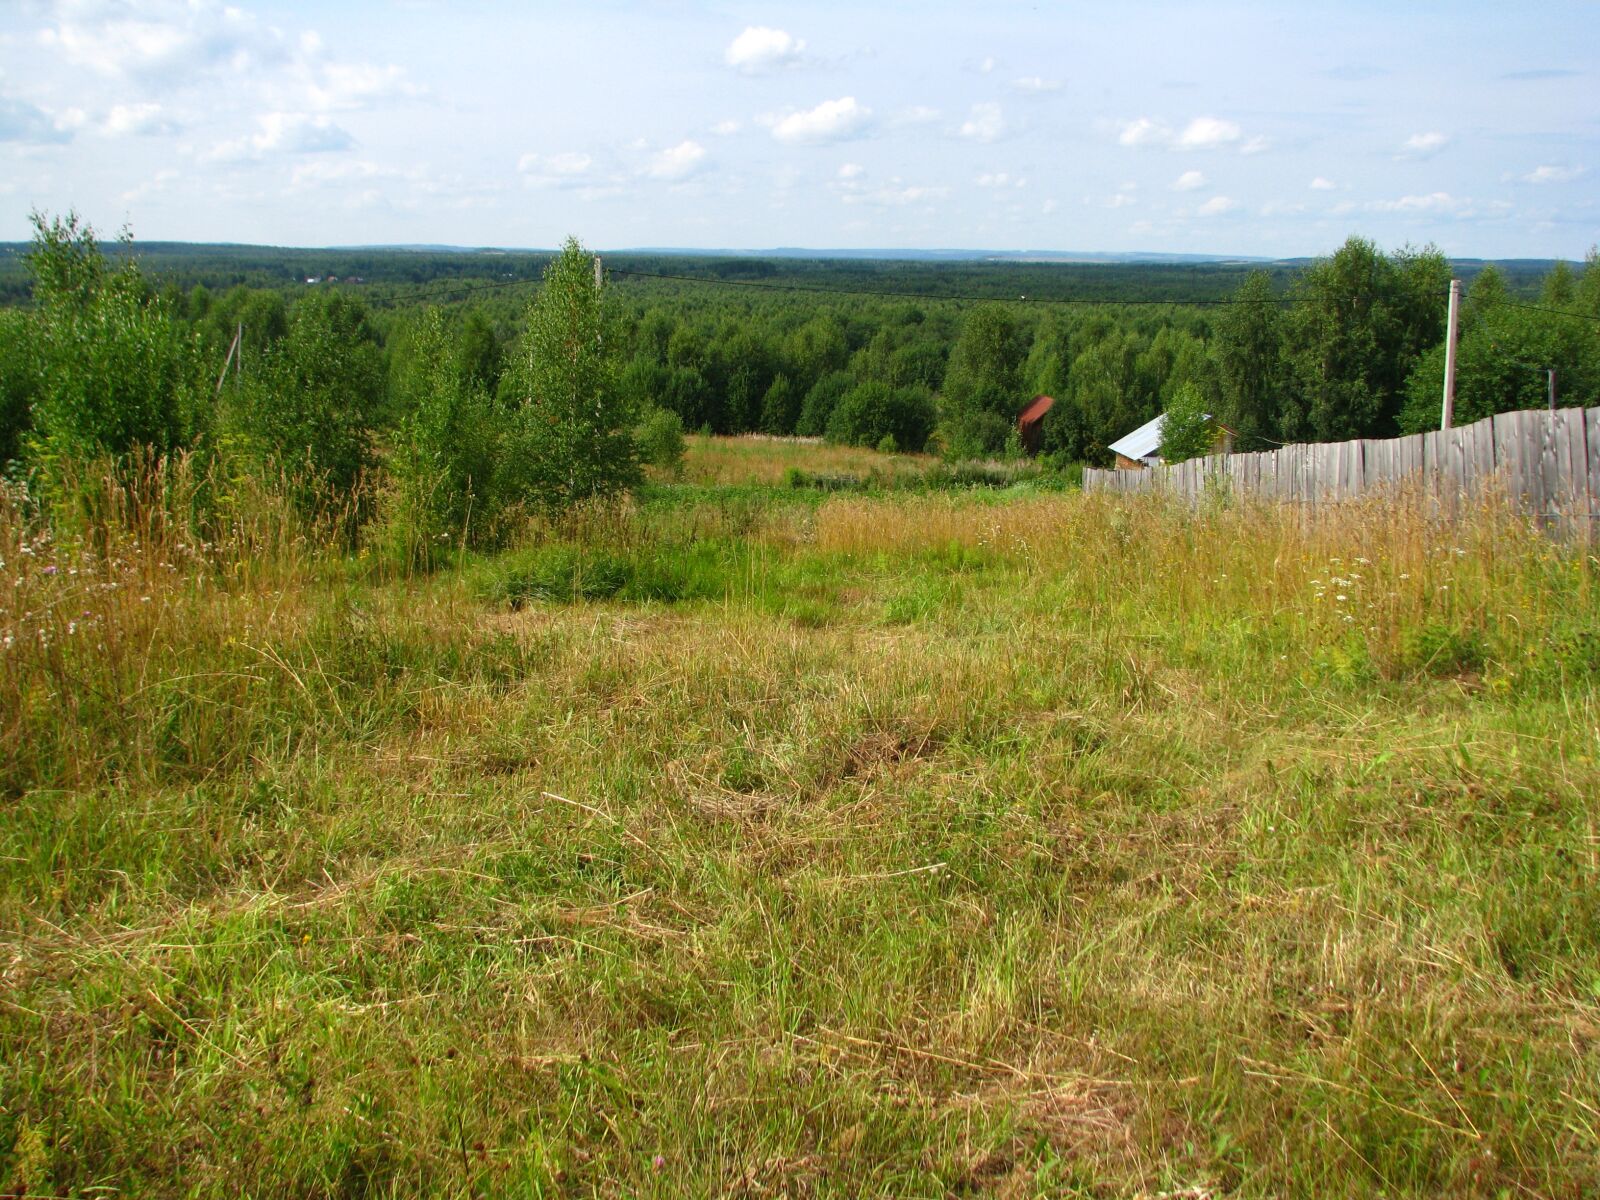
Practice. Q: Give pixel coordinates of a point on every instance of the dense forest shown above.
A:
(429, 366)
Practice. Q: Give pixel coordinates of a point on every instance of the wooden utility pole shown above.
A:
(233, 349)
(1449, 413)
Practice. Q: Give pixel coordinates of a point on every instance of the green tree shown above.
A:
(19, 381)
(311, 408)
(479, 356)
(820, 402)
(1186, 426)
(983, 384)
(442, 463)
(573, 436)
(872, 411)
(1248, 351)
(114, 370)
(780, 407)
(1362, 321)
(1502, 355)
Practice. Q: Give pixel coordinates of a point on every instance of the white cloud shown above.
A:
(851, 171)
(1216, 206)
(678, 162)
(1048, 207)
(896, 195)
(759, 48)
(566, 170)
(1144, 132)
(160, 182)
(1033, 85)
(1201, 133)
(162, 39)
(1204, 133)
(917, 114)
(1000, 179)
(987, 65)
(726, 128)
(285, 133)
(1322, 184)
(1433, 202)
(339, 87)
(1424, 145)
(985, 124)
(1256, 145)
(830, 121)
(174, 46)
(1120, 200)
(137, 120)
(1188, 181)
(1554, 174)
(322, 172)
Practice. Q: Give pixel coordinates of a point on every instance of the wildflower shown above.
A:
(51, 569)
(658, 1162)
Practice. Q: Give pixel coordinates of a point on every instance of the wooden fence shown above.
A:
(1547, 463)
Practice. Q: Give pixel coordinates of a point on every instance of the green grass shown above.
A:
(920, 845)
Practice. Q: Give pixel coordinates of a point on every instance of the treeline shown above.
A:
(1352, 347)
(449, 405)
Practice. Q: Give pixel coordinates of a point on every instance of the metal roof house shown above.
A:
(1142, 448)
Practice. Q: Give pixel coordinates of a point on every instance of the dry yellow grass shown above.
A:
(758, 459)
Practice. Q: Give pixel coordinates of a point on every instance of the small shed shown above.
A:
(1142, 448)
(1030, 422)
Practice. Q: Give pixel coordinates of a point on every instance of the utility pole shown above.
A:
(1448, 417)
(1552, 379)
(233, 349)
(597, 273)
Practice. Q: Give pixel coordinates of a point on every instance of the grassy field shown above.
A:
(767, 843)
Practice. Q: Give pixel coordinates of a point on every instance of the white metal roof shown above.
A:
(1143, 442)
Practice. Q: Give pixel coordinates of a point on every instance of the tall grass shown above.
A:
(911, 845)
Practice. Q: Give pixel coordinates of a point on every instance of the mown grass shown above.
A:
(909, 845)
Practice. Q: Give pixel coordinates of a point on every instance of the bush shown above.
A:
(872, 411)
(974, 434)
(660, 438)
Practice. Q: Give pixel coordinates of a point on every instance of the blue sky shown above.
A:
(1242, 128)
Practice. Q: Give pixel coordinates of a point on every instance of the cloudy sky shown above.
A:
(1246, 128)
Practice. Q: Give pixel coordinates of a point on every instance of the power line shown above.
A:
(1560, 312)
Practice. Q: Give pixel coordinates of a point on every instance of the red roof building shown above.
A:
(1030, 422)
